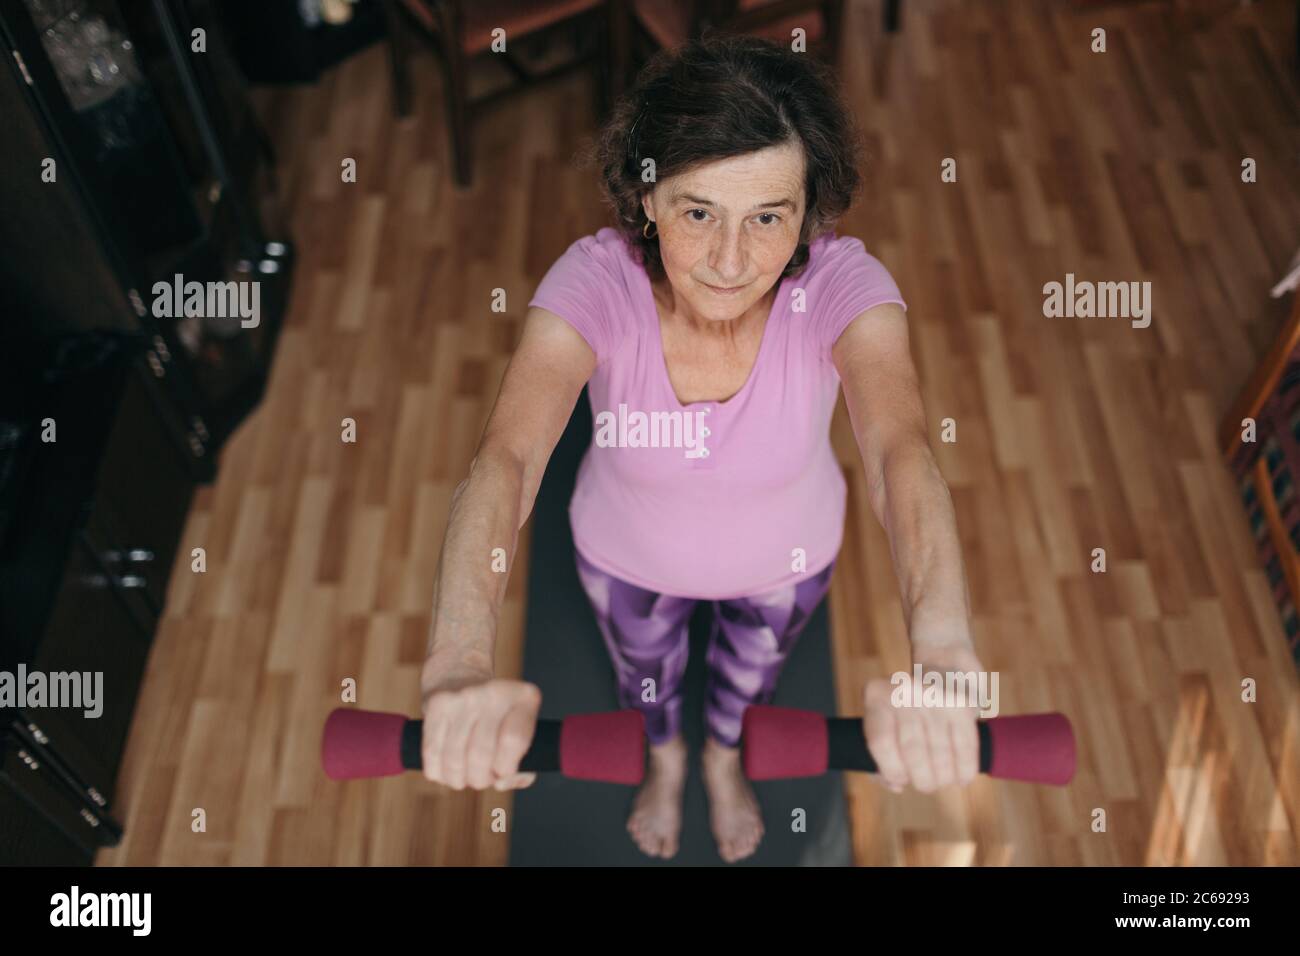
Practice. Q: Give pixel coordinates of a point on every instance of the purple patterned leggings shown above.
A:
(647, 638)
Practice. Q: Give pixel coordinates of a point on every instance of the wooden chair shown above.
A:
(462, 29)
(666, 23)
(1268, 469)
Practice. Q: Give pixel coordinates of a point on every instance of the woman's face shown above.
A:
(728, 228)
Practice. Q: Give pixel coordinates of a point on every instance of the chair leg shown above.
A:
(832, 21)
(397, 58)
(458, 117)
(618, 26)
(892, 10)
(453, 56)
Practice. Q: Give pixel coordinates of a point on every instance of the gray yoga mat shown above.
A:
(561, 822)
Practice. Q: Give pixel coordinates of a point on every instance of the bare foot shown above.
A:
(734, 813)
(656, 820)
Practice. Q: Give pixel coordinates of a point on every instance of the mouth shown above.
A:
(724, 290)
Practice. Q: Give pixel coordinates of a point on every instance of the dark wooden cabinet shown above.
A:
(84, 567)
(92, 630)
(134, 523)
(41, 821)
(110, 412)
(162, 170)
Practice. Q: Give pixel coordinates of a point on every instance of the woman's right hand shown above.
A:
(476, 730)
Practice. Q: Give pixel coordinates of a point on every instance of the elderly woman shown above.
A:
(713, 328)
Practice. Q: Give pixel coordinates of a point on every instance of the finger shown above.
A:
(454, 748)
(938, 731)
(881, 728)
(514, 737)
(914, 743)
(966, 747)
(435, 734)
(481, 747)
(515, 781)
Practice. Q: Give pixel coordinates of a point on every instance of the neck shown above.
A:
(676, 310)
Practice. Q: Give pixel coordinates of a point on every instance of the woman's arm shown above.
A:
(912, 503)
(908, 495)
(538, 391)
(465, 709)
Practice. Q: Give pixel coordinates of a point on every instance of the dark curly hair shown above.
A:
(722, 96)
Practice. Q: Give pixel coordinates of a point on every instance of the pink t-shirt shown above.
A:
(710, 500)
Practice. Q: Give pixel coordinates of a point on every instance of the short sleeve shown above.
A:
(583, 288)
(847, 282)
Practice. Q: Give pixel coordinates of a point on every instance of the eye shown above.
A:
(703, 215)
(771, 218)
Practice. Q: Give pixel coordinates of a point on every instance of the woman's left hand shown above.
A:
(926, 747)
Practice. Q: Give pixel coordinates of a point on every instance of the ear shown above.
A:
(647, 205)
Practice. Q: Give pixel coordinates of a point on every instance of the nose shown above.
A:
(728, 254)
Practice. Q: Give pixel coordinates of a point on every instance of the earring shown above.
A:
(645, 230)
